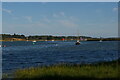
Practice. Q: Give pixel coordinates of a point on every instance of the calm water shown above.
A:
(25, 54)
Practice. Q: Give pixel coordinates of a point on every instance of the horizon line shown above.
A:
(57, 35)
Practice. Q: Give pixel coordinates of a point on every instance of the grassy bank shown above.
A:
(69, 71)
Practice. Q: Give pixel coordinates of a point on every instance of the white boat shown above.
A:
(53, 40)
(34, 41)
(100, 41)
(85, 39)
(77, 43)
(78, 40)
(45, 40)
(11, 41)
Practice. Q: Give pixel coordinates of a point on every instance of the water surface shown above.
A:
(23, 54)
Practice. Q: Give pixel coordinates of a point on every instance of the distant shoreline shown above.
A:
(17, 37)
(62, 40)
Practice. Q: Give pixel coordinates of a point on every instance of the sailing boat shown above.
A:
(100, 39)
(78, 41)
(34, 41)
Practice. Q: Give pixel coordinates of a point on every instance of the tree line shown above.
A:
(40, 37)
(50, 37)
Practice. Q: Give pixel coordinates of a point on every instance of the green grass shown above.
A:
(69, 71)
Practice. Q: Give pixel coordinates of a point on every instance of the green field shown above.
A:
(69, 71)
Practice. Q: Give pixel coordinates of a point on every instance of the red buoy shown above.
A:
(63, 39)
(4, 45)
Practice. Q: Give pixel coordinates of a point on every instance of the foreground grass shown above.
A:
(69, 71)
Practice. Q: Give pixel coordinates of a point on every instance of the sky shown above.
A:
(95, 19)
(0, 17)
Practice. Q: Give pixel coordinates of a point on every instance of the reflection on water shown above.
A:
(23, 54)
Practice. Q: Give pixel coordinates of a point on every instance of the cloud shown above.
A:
(115, 9)
(29, 18)
(7, 11)
(55, 15)
(46, 19)
(44, 2)
(72, 18)
(68, 23)
(15, 18)
(62, 13)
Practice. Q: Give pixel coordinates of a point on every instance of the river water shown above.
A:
(23, 54)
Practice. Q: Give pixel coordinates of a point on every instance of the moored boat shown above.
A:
(34, 41)
(77, 43)
(100, 41)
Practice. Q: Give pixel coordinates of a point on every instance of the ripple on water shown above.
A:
(25, 54)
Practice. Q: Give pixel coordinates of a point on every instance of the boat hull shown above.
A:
(77, 43)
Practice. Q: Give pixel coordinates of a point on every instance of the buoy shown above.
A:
(33, 43)
(4, 45)
(56, 44)
(63, 39)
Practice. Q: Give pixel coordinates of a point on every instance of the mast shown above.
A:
(78, 38)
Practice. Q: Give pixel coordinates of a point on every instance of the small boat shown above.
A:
(11, 41)
(52, 40)
(100, 41)
(77, 43)
(85, 39)
(34, 41)
(45, 40)
(78, 40)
